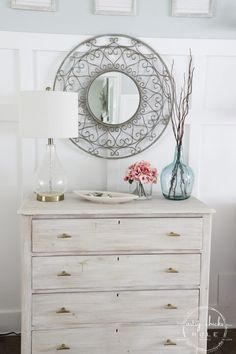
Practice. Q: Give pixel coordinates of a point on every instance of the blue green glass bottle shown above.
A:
(177, 179)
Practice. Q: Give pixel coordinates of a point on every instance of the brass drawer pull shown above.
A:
(63, 273)
(169, 342)
(171, 270)
(170, 307)
(63, 310)
(64, 236)
(63, 347)
(173, 234)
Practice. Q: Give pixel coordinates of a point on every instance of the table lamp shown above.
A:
(49, 114)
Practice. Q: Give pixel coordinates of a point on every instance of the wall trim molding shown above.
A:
(29, 61)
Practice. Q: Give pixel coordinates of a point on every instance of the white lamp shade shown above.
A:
(48, 114)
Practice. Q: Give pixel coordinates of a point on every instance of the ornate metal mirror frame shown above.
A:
(132, 57)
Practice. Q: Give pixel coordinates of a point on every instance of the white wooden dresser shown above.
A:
(113, 279)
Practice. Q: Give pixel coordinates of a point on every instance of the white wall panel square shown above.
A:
(221, 84)
(46, 66)
(226, 296)
(179, 64)
(218, 162)
(9, 112)
(227, 286)
(9, 84)
(9, 74)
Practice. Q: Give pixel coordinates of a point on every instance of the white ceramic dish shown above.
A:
(105, 196)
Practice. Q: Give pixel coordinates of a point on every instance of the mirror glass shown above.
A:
(113, 97)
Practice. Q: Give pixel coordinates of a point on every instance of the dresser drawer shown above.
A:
(69, 310)
(119, 235)
(116, 272)
(113, 340)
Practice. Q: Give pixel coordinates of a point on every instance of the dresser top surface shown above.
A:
(73, 205)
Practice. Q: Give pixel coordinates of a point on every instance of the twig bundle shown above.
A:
(181, 104)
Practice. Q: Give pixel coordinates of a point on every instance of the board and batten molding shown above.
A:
(29, 61)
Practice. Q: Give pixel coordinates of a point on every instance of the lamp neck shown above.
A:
(50, 141)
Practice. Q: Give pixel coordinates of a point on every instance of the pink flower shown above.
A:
(141, 172)
(143, 179)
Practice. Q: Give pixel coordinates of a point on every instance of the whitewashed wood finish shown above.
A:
(73, 205)
(205, 275)
(116, 272)
(26, 293)
(116, 299)
(113, 340)
(116, 235)
(156, 307)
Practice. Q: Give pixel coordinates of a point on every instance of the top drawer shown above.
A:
(116, 235)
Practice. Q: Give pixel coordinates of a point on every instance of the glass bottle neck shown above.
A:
(179, 154)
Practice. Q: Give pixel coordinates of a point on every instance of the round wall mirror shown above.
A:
(113, 98)
(125, 94)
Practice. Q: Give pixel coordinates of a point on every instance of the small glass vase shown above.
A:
(177, 179)
(142, 190)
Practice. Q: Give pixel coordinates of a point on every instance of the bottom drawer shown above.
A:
(113, 340)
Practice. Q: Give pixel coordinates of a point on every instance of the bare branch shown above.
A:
(181, 104)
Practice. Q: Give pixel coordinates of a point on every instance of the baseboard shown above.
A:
(10, 321)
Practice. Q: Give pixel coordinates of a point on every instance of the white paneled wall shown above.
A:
(30, 61)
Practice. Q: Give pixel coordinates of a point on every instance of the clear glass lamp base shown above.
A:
(50, 181)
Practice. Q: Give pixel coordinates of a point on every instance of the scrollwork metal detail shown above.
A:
(141, 63)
